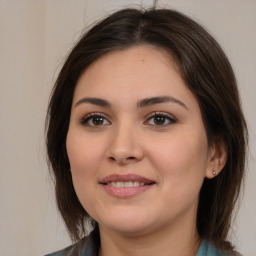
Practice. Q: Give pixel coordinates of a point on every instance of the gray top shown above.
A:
(88, 247)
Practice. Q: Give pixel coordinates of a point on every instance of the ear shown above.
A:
(217, 158)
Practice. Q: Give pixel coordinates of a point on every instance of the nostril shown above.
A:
(122, 159)
(131, 158)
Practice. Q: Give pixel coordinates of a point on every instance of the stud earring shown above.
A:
(214, 173)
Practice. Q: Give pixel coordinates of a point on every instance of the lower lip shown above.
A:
(126, 192)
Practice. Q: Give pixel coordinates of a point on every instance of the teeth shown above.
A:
(127, 184)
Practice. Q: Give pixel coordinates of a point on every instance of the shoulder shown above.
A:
(64, 252)
(85, 247)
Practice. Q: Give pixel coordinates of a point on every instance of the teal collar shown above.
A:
(206, 249)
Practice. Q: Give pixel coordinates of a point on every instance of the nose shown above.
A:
(125, 145)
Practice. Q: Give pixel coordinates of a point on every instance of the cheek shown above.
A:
(181, 167)
(182, 161)
(85, 157)
(84, 153)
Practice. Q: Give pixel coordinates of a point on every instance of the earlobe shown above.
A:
(217, 158)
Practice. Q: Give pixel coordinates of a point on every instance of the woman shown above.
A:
(146, 138)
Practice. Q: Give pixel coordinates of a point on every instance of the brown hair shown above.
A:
(207, 73)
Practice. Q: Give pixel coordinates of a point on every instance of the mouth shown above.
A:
(126, 186)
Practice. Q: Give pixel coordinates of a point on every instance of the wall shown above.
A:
(35, 36)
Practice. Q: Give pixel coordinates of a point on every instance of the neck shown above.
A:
(181, 239)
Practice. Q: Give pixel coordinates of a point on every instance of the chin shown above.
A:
(128, 230)
(127, 225)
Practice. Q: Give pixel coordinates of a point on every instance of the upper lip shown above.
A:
(124, 178)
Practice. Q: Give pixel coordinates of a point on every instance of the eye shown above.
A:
(94, 119)
(160, 119)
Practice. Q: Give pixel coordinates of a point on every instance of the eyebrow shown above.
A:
(157, 100)
(94, 101)
(140, 104)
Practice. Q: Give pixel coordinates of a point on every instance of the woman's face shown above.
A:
(136, 143)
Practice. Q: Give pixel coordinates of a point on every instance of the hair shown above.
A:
(205, 70)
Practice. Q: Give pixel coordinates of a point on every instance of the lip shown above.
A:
(126, 192)
(124, 178)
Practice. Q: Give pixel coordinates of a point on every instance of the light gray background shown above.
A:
(35, 35)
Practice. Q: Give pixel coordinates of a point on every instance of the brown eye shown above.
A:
(93, 120)
(160, 120)
(97, 120)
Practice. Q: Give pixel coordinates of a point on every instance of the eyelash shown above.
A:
(85, 120)
(171, 120)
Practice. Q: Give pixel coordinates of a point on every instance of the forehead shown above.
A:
(133, 73)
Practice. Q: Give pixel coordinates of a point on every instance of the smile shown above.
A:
(125, 186)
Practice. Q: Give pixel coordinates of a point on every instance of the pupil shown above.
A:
(97, 120)
(159, 120)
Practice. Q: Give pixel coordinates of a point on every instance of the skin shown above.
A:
(174, 154)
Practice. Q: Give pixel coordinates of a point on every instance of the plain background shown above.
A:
(35, 36)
